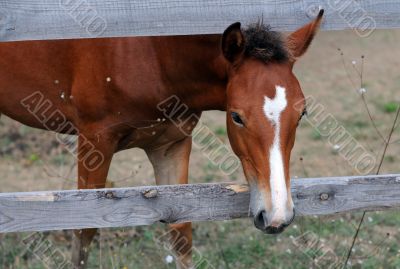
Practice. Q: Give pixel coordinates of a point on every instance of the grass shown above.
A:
(316, 135)
(34, 157)
(390, 107)
(221, 131)
(231, 244)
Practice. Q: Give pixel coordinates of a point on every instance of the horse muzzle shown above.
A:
(269, 225)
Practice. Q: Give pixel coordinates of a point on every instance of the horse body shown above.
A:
(113, 84)
(109, 91)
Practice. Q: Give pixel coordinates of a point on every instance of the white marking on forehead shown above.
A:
(273, 109)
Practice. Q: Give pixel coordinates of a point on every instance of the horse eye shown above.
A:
(236, 118)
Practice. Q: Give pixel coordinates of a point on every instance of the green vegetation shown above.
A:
(316, 135)
(220, 131)
(390, 107)
(232, 244)
(34, 157)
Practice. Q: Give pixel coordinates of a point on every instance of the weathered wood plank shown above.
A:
(56, 19)
(56, 210)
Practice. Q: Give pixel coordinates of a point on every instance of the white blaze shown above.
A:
(273, 109)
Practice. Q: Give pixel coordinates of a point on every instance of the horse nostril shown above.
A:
(260, 220)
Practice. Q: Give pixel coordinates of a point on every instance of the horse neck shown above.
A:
(194, 69)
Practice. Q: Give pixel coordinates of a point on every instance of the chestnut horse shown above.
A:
(108, 89)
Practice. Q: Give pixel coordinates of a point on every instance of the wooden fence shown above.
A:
(55, 210)
(56, 19)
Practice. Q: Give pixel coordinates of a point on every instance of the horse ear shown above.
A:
(233, 42)
(299, 41)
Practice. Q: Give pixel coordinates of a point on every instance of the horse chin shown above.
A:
(275, 230)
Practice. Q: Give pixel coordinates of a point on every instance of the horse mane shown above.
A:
(264, 44)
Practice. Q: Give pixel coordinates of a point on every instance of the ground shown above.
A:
(33, 160)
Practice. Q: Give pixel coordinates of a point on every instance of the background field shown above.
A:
(33, 160)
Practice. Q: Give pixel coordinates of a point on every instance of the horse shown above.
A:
(106, 92)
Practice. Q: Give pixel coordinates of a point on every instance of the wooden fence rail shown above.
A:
(56, 210)
(56, 19)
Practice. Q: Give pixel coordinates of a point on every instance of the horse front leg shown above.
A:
(94, 159)
(170, 164)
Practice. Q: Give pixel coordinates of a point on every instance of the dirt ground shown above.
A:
(32, 160)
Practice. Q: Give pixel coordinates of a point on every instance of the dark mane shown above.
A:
(264, 44)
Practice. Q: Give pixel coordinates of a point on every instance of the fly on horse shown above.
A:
(108, 89)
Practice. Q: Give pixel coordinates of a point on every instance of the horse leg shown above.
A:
(171, 167)
(91, 175)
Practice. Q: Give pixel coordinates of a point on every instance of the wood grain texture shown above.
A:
(56, 210)
(60, 19)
